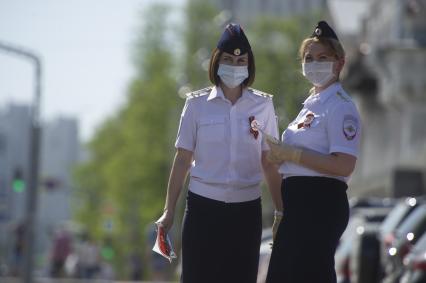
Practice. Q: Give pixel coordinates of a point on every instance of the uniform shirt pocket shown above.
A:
(211, 129)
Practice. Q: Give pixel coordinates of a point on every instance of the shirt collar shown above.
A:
(325, 94)
(217, 92)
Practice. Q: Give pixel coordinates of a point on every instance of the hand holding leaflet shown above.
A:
(163, 245)
(256, 126)
(279, 151)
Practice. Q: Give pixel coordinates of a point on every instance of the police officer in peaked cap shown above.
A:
(226, 160)
(317, 155)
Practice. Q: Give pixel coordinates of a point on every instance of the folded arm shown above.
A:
(336, 163)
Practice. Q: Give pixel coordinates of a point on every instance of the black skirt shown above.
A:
(316, 213)
(220, 241)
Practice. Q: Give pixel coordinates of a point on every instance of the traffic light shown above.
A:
(107, 253)
(18, 182)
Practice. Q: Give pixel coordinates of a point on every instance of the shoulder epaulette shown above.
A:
(260, 93)
(200, 92)
(343, 96)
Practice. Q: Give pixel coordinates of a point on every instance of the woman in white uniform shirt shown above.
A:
(317, 156)
(222, 224)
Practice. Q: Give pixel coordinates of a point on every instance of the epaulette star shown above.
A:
(200, 92)
(260, 93)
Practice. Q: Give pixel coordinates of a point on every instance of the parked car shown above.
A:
(369, 202)
(365, 250)
(387, 230)
(364, 256)
(355, 248)
(406, 235)
(415, 263)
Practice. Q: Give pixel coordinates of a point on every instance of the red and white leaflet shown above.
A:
(163, 245)
(256, 126)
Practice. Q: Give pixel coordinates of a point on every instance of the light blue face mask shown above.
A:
(232, 76)
(318, 73)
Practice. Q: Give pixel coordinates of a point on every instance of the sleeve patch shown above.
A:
(350, 127)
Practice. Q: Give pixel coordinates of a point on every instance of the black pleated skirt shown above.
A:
(316, 213)
(220, 241)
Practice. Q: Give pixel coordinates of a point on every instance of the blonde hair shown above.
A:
(333, 45)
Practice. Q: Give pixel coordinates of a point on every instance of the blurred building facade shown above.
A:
(386, 76)
(59, 153)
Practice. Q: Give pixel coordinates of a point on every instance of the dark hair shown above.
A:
(214, 65)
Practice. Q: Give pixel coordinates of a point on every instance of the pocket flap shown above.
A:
(211, 120)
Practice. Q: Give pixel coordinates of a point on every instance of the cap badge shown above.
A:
(237, 51)
(318, 31)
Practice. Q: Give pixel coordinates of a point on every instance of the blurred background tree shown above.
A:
(122, 187)
(202, 29)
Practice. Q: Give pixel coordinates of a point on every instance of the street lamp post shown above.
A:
(31, 201)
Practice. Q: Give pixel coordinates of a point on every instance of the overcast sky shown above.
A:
(85, 48)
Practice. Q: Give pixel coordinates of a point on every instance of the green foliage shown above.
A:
(203, 27)
(125, 180)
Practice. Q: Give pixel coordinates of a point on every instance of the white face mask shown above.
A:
(232, 76)
(318, 73)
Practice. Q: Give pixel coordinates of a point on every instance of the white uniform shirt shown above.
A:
(329, 122)
(227, 157)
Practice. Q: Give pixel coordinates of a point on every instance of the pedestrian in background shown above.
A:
(222, 223)
(88, 257)
(317, 154)
(61, 249)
